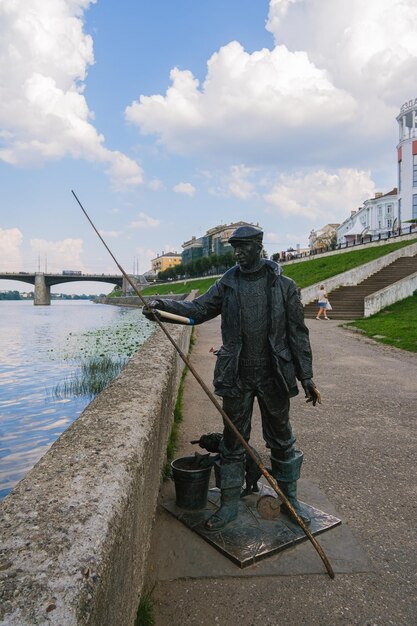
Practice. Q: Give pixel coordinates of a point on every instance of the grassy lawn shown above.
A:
(396, 325)
(305, 273)
(202, 284)
(315, 270)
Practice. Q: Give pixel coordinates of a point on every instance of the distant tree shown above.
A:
(179, 270)
(229, 259)
(199, 267)
(327, 239)
(205, 264)
(222, 262)
(167, 274)
(172, 273)
(10, 295)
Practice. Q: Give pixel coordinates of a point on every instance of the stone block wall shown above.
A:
(393, 293)
(75, 532)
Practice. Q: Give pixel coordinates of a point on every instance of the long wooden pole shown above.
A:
(271, 480)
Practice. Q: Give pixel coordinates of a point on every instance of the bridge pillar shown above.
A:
(126, 286)
(42, 290)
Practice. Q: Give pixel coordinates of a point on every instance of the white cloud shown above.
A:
(320, 196)
(325, 96)
(122, 171)
(145, 221)
(43, 113)
(237, 181)
(274, 242)
(113, 234)
(155, 184)
(239, 184)
(10, 253)
(60, 255)
(368, 48)
(186, 188)
(278, 9)
(270, 237)
(247, 101)
(169, 247)
(145, 255)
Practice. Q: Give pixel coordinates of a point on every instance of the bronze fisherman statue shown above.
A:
(265, 349)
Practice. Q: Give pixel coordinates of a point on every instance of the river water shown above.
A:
(40, 348)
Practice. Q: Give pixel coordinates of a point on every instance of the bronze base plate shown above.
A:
(250, 538)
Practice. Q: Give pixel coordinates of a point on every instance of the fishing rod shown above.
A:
(157, 315)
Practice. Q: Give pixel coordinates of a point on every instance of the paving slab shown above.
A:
(177, 546)
(359, 465)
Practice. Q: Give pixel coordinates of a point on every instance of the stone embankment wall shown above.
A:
(389, 295)
(75, 532)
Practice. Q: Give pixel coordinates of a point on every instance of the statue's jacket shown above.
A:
(288, 335)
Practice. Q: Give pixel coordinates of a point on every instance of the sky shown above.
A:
(170, 117)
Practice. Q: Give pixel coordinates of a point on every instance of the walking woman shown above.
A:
(323, 302)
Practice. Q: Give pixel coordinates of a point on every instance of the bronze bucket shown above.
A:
(191, 483)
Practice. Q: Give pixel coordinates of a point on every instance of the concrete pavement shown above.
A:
(360, 448)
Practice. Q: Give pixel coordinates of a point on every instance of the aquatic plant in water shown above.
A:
(99, 355)
(93, 375)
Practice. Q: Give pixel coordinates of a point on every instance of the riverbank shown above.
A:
(43, 351)
(75, 532)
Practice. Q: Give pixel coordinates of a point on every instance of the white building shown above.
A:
(323, 238)
(377, 216)
(407, 163)
(351, 229)
(388, 213)
(381, 212)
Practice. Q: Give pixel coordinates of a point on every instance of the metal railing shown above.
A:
(358, 241)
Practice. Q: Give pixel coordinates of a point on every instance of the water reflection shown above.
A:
(33, 361)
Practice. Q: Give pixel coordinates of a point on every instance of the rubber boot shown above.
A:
(286, 469)
(290, 491)
(228, 509)
(231, 480)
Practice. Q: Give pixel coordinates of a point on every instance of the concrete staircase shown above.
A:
(348, 302)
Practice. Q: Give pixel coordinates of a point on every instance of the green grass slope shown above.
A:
(396, 325)
(305, 273)
(186, 286)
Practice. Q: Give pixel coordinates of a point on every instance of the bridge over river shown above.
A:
(43, 281)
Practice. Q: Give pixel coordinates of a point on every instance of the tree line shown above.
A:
(205, 265)
(16, 295)
(10, 295)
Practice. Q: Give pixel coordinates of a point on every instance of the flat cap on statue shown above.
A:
(246, 233)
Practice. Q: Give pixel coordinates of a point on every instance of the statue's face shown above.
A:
(247, 254)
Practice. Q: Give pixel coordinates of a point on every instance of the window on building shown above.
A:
(389, 208)
(379, 224)
(415, 170)
(415, 206)
(379, 209)
(389, 223)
